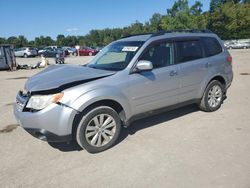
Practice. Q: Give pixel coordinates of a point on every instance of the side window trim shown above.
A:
(204, 46)
(186, 39)
(153, 44)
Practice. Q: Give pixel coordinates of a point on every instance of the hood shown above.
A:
(60, 77)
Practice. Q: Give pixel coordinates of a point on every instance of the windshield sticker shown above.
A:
(129, 48)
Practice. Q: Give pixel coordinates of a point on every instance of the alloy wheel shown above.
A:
(214, 96)
(100, 130)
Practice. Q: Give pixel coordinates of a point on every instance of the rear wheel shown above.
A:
(99, 129)
(212, 97)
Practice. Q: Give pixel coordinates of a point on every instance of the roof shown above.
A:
(168, 34)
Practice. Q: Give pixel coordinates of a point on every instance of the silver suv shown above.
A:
(126, 80)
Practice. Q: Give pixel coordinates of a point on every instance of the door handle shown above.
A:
(209, 65)
(173, 73)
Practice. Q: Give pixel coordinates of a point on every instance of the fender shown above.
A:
(95, 95)
(206, 82)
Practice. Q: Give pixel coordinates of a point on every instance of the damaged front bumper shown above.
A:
(52, 124)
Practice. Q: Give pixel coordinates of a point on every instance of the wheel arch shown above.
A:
(220, 78)
(105, 102)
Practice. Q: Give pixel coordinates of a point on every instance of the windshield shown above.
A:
(116, 56)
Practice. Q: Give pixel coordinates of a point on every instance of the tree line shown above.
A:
(230, 19)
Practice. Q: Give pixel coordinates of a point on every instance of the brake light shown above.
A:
(229, 59)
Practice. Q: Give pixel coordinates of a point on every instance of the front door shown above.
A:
(158, 88)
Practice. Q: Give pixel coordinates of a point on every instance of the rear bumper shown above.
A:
(47, 136)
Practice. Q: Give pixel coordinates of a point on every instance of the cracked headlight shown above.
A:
(39, 102)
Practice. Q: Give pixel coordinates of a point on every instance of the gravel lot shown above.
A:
(181, 148)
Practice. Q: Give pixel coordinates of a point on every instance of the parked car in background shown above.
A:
(87, 51)
(73, 51)
(46, 48)
(50, 52)
(69, 50)
(238, 45)
(25, 52)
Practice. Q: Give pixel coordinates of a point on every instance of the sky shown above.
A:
(33, 18)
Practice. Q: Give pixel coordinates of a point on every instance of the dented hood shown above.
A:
(60, 77)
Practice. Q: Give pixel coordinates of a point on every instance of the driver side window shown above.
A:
(160, 54)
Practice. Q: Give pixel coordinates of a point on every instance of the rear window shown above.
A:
(188, 50)
(212, 46)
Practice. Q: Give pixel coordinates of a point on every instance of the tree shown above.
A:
(60, 40)
(231, 21)
(196, 9)
(44, 41)
(181, 16)
(179, 6)
(2, 40)
(20, 41)
(155, 23)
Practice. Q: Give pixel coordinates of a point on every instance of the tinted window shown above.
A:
(160, 55)
(212, 46)
(188, 50)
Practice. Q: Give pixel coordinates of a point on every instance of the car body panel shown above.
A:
(153, 89)
(59, 75)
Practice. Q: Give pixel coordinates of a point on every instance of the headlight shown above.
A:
(39, 102)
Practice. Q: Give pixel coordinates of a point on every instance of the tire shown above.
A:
(212, 97)
(25, 56)
(96, 138)
(90, 54)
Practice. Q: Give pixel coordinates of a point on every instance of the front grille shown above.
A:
(21, 100)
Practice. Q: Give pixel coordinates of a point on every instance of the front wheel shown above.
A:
(212, 97)
(25, 56)
(99, 129)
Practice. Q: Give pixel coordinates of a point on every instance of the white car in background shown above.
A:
(25, 52)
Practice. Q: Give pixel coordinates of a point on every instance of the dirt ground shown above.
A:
(181, 148)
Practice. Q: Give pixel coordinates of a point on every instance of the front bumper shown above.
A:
(51, 124)
(47, 136)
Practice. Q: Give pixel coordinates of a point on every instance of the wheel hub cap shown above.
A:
(214, 96)
(100, 130)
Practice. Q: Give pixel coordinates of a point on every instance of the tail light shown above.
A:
(229, 59)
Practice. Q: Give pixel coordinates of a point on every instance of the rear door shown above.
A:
(193, 67)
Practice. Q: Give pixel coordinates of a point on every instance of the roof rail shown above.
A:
(181, 31)
(127, 36)
(162, 32)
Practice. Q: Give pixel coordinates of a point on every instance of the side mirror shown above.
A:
(144, 65)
